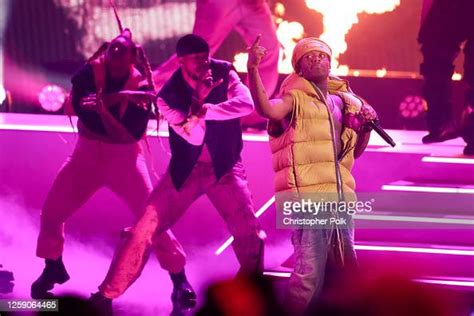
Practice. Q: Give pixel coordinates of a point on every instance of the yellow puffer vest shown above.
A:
(304, 156)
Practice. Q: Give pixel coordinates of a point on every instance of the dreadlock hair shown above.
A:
(143, 63)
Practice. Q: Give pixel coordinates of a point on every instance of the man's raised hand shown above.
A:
(255, 53)
(205, 85)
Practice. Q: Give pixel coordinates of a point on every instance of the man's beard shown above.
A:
(197, 76)
(193, 76)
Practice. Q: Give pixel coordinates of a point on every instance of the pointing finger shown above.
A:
(257, 41)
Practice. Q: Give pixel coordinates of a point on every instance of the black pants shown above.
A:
(448, 24)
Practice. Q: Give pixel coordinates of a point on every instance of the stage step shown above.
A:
(442, 262)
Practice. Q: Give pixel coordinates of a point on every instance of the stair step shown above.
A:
(411, 186)
(420, 260)
(414, 228)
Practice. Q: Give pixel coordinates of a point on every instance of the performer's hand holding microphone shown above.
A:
(203, 87)
(366, 120)
(198, 108)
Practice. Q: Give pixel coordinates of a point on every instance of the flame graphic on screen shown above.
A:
(338, 18)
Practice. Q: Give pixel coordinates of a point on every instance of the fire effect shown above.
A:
(288, 34)
(338, 18)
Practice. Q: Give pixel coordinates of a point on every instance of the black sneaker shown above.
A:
(101, 304)
(443, 134)
(184, 295)
(53, 273)
(469, 150)
(6, 281)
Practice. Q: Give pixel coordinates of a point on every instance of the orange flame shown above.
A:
(288, 34)
(338, 18)
(340, 15)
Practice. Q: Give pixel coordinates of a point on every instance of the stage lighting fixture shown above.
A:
(412, 106)
(52, 98)
(3, 94)
(5, 100)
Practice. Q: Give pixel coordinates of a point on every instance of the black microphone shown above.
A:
(379, 130)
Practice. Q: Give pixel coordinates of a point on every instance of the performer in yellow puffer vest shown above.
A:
(316, 128)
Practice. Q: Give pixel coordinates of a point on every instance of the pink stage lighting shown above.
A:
(52, 98)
